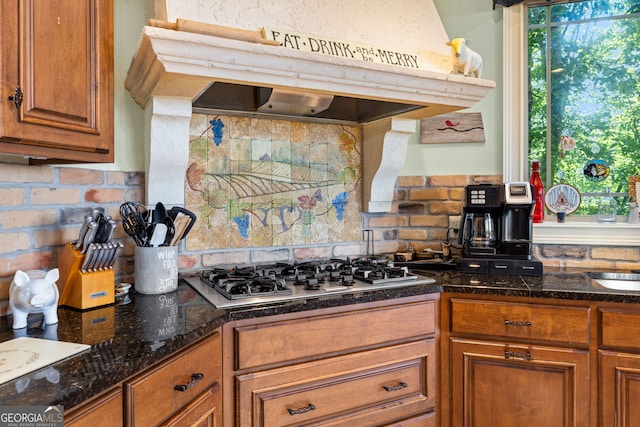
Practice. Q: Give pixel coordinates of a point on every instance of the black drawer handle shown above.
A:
(195, 379)
(303, 410)
(398, 386)
(518, 323)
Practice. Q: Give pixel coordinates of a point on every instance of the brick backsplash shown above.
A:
(42, 208)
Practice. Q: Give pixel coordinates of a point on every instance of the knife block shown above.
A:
(83, 290)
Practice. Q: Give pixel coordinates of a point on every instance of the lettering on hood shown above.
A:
(342, 49)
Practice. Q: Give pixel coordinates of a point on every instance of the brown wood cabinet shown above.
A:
(184, 390)
(180, 391)
(619, 362)
(516, 363)
(365, 365)
(56, 70)
(103, 411)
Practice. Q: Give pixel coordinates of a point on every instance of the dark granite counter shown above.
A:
(125, 339)
(134, 334)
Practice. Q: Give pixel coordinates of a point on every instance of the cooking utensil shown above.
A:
(171, 230)
(159, 213)
(89, 236)
(88, 257)
(83, 231)
(158, 236)
(207, 29)
(133, 223)
(173, 213)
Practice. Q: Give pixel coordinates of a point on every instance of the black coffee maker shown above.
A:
(496, 229)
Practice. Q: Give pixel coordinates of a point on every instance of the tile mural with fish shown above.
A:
(260, 182)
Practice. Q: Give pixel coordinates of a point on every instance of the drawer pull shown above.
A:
(303, 410)
(517, 355)
(398, 386)
(517, 323)
(195, 379)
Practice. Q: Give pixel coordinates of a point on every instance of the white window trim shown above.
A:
(514, 146)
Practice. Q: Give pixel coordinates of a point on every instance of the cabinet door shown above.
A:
(204, 411)
(619, 389)
(57, 79)
(504, 385)
(104, 411)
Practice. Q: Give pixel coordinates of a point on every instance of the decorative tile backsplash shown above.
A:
(259, 182)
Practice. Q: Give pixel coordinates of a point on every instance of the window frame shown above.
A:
(515, 165)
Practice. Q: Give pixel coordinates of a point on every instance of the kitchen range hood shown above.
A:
(230, 75)
(174, 73)
(283, 102)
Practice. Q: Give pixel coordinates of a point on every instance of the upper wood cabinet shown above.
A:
(56, 72)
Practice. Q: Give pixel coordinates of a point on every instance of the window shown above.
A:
(584, 113)
(577, 229)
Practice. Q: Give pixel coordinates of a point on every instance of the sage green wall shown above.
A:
(477, 22)
(129, 121)
(472, 19)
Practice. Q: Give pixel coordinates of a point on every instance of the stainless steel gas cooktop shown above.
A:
(255, 285)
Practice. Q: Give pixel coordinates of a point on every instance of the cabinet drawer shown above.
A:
(104, 411)
(345, 375)
(313, 337)
(619, 328)
(569, 325)
(153, 396)
(343, 394)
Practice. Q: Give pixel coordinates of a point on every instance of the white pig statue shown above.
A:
(34, 291)
(465, 60)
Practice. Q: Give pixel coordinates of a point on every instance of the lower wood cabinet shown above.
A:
(183, 390)
(515, 361)
(619, 366)
(364, 365)
(103, 411)
(188, 380)
(204, 411)
(498, 384)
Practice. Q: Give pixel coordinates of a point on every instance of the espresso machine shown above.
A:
(496, 229)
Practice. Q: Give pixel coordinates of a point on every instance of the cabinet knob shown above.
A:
(16, 98)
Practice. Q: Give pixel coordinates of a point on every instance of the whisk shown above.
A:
(133, 223)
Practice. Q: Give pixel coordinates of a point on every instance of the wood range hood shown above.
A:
(174, 73)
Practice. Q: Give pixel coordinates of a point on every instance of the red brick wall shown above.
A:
(42, 208)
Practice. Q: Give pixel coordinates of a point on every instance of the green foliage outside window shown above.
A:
(585, 85)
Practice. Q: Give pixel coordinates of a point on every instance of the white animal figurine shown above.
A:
(34, 291)
(464, 59)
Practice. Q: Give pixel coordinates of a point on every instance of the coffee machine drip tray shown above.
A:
(512, 266)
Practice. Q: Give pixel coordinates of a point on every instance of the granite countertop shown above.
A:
(134, 334)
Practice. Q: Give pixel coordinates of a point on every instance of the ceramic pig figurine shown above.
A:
(34, 291)
(465, 60)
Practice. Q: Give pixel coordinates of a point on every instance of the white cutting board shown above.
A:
(20, 356)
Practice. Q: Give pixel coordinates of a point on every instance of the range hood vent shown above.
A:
(256, 100)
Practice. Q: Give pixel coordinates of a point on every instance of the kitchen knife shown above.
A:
(87, 257)
(112, 230)
(116, 254)
(102, 253)
(89, 236)
(104, 260)
(83, 231)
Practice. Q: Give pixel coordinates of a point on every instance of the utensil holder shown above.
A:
(80, 290)
(156, 269)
